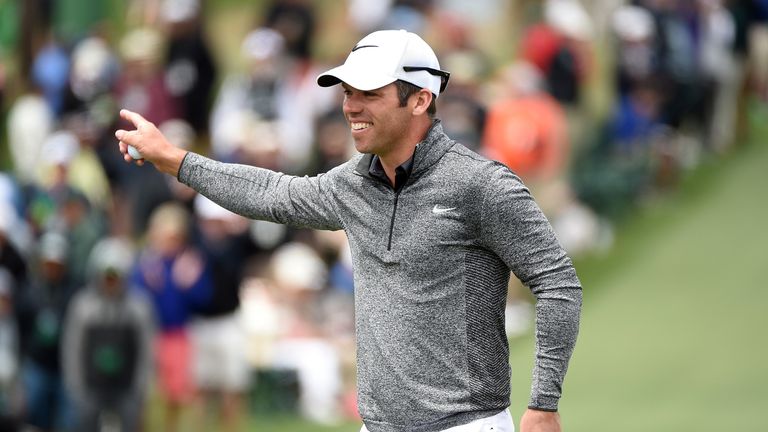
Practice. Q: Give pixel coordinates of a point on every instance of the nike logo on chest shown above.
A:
(437, 209)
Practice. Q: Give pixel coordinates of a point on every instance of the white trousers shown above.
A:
(501, 422)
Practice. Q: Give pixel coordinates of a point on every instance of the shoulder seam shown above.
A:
(470, 156)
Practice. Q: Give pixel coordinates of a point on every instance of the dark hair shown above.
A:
(406, 89)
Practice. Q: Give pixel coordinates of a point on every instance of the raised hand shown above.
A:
(147, 143)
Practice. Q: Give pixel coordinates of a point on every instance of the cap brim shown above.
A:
(361, 80)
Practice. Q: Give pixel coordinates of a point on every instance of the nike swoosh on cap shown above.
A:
(357, 47)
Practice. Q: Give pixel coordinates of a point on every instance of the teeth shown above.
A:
(360, 126)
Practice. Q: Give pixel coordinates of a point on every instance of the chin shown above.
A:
(362, 148)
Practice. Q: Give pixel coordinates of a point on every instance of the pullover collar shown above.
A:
(434, 145)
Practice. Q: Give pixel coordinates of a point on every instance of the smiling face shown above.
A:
(378, 123)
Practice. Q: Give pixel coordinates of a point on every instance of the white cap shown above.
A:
(60, 148)
(569, 17)
(296, 266)
(633, 23)
(385, 56)
(53, 246)
(208, 210)
(142, 45)
(178, 11)
(262, 43)
(91, 59)
(111, 253)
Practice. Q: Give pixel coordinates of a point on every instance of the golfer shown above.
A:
(434, 230)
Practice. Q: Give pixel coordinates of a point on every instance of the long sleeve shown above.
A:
(518, 232)
(259, 193)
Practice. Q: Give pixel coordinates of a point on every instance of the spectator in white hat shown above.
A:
(220, 367)
(107, 343)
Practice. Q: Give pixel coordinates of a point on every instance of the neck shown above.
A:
(391, 160)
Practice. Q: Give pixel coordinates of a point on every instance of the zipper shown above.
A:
(392, 222)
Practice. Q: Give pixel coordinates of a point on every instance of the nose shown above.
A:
(352, 104)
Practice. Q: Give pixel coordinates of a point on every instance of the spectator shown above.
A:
(247, 98)
(50, 72)
(526, 129)
(177, 279)
(142, 83)
(30, 122)
(462, 106)
(89, 98)
(676, 63)
(220, 364)
(295, 20)
(46, 404)
(273, 107)
(302, 345)
(636, 58)
(107, 343)
(557, 47)
(68, 165)
(59, 203)
(190, 72)
(298, 102)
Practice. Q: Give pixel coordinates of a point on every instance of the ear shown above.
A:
(421, 101)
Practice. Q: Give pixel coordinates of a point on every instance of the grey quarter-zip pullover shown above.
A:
(432, 263)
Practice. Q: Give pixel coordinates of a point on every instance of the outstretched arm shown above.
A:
(150, 143)
(253, 192)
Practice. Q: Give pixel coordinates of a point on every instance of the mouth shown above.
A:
(359, 126)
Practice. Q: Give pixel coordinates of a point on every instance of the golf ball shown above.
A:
(134, 153)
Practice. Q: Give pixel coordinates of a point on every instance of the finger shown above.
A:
(127, 157)
(128, 137)
(135, 118)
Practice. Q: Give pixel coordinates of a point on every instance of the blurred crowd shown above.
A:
(119, 284)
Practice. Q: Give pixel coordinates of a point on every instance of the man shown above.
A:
(107, 335)
(434, 231)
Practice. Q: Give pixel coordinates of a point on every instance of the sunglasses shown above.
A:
(436, 72)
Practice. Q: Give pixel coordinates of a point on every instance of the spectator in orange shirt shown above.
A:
(526, 129)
